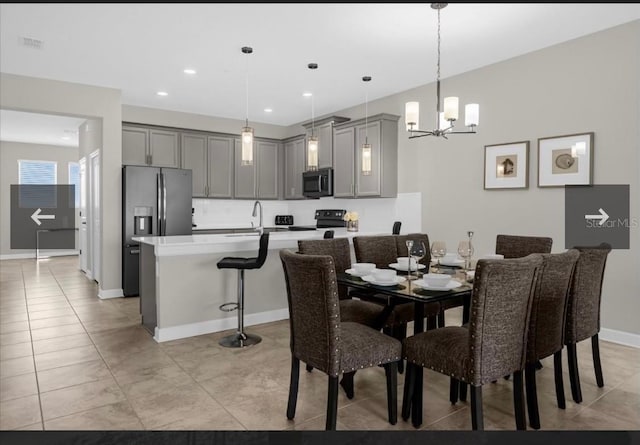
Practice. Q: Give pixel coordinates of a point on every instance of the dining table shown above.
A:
(407, 291)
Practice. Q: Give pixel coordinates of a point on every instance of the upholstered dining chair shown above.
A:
(546, 325)
(383, 250)
(493, 345)
(319, 338)
(514, 246)
(583, 311)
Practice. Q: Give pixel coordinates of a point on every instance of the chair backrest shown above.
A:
(512, 246)
(549, 307)
(401, 246)
(314, 312)
(583, 309)
(396, 228)
(336, 248)
(499, 319)
(328, 234)
(264, 249)
(381, 250)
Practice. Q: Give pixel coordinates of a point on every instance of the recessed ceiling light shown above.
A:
(189, 71)
(307, 94)
(162, 93)
(268, 110)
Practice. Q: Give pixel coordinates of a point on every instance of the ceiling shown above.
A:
(143, 48)
(34, 128)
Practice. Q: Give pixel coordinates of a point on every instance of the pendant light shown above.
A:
(247, 131)
(366, 147)
(312, 141)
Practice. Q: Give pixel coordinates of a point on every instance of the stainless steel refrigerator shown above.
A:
(155, 202)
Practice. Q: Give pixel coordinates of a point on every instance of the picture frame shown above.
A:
(565, 160)
(506, 166)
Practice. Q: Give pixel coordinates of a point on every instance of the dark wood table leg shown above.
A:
(416, 400)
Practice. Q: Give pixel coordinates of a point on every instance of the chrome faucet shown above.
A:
(254, 213)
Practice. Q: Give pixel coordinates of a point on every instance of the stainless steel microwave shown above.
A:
(317, 183)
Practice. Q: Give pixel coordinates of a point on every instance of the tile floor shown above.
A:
(72, 361)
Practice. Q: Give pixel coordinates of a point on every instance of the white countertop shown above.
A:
(236, 242)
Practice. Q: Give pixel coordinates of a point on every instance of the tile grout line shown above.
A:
(33, 352)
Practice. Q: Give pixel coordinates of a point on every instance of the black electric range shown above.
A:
(325, 219)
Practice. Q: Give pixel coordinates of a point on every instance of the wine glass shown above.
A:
(417, 252)
(438, 250)
(465, 250)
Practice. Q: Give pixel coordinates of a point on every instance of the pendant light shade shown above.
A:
(247, 146)
(247, 131)
(312, 141)
(366, 147)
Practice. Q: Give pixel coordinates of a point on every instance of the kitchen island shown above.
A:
(181, 288)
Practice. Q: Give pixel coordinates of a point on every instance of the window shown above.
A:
(37, 172)
(32, 175)
(74, 179)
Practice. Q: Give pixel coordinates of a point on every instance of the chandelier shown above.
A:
(247, 132)
(446, 118)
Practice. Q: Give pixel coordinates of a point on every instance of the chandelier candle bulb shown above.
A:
(442, 122)
(451, 108)
(412, 114)
(471, 115)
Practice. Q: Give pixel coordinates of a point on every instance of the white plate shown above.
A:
(450, 285)
(372, 280)
(359, 274)
(413, 269)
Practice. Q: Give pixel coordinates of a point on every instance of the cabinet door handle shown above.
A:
(150, 159)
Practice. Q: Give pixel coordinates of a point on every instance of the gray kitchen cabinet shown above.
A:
(261, 179)
(194, 157)
(343, 155)
(220, 167)
(164, 148)
(245, 175)
(294, 165)
(267, 169)
(150, 146)
(135, 146)
(382, 133)
(323, 130)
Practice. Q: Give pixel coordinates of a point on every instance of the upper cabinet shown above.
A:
(260, 179)
(323, 130)
(294, 165)
(210, 158)
(150, 146)
(381, 132)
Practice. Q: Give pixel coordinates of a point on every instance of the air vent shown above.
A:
(32, 43)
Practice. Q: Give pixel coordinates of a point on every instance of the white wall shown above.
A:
(10, 154)
(22, 93)
(588, 84)
(375, 214)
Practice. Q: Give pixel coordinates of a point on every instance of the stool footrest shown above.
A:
(229, 307)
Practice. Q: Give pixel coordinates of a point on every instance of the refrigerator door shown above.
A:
(140, 203)
(177, 191)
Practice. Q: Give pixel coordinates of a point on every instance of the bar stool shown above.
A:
(241, 339)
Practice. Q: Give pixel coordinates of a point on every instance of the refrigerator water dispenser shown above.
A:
(142, 220)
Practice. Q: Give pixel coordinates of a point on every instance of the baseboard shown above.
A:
(620, 337)
(105, 294)
(223, 324)
(21, 256)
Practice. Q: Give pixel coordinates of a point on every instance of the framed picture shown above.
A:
(565, 160)
(506, 166)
